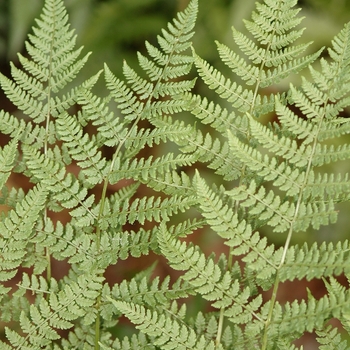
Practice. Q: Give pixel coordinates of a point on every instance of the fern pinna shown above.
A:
(271, 178)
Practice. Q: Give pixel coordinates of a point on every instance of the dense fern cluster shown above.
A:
(116, 201)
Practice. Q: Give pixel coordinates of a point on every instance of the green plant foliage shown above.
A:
(127, 176)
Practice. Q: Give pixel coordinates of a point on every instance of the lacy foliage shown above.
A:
(117, 201)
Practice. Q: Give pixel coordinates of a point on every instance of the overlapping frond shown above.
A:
(333, 261)
(166, 331)
(262, 259)
(207, 278)
(331, 339)
(124, 202)
(58, 311)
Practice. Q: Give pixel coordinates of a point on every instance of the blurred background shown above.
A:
(114, 30)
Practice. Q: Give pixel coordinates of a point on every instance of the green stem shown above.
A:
(98, 323)
(222, 310)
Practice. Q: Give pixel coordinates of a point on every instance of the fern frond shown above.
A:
(333, 261)
(108, 125)
(270, 57)
(216, 153)
(52, 65)
(143, 169)
(83, 150)
(66, 189)
(260, 258)
(67, 242)
(155, 295)
(213, 114)
(207, 278)
(127, 102)
(334, 187)
(121, 245)
(58, 312)
(283, 176)
(232, 92)
(136, 341)
(298, 127)
(331, 339)
(7, 158)
(338, 296)
(151, 208)
(166, 64)
(326, 154)
(280, 146)
(138, 138)
(167, 333)
(17, 228)
(329, 93)
(313, 313)
(172, 182)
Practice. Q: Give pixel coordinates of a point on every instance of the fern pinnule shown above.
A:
(7, 158)
(84, 150)
(333, 261)
(207, 278)
(154, 295)
(261, 259)
(279, 146)
(95, 109)
(164, 330)
(284, 176)
(330, 338)
(17, 228)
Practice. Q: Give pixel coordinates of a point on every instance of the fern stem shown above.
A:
(220, 327)
(46, 147)
(222, 310)
(98, 323)
(47, 249)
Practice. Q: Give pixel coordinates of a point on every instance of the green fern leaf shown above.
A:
(54, 64)
(207, 279)
(331, 339)
(17, 228)
(311, 264)
(83, 150)
(285, 177)
(7, 158)
(230, 91)
(167, 333)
